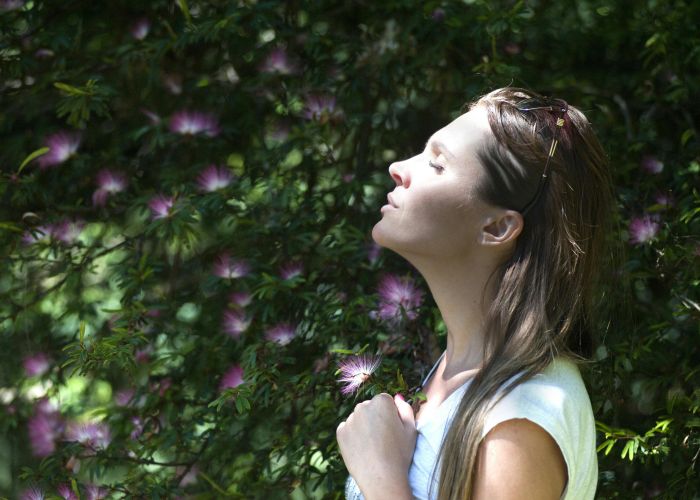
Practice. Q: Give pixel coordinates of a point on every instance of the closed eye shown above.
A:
(437, 167)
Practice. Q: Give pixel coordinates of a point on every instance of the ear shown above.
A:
(502, 228)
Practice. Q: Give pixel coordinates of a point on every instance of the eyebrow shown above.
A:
(441, 146)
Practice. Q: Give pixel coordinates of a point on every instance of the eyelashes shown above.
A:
(437, 167)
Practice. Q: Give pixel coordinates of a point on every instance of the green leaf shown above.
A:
(35, 154)
(70, 90)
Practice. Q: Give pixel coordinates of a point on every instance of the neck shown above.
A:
(456, 286)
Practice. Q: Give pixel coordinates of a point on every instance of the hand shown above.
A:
(377, 443)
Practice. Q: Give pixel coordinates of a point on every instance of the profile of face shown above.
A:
(434, 211)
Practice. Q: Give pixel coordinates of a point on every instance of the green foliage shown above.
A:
(125, 304)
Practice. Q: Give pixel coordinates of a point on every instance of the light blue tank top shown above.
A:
(555, 399)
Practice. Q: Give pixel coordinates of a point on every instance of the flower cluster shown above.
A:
(62, 145)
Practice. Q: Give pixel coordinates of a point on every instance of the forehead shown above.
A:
(463, 136)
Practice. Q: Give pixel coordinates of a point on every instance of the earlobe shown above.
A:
(502, 229)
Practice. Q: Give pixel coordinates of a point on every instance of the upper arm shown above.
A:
(518, 459)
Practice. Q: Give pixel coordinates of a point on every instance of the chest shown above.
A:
(436, 394)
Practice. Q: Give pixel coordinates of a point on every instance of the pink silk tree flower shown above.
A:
(40, 233)
(291, 270)
(235, 323)
(373, 252)
(214, 178)
(664, 199)
(36, 365)
(68, 231)
(66, 492)
(278, 61)
(193, 123)
(109, 182)
(643, 229)
(652, 164)
(320, 107)
(8, 5)
(33, 493)
(93, 435)
(282, 333)
(123, 397)
(240, 299)
(161, 206)
(356, 370)
(94, 492)
(139, 30)
(397, 294)
(232, 378)
(225, 267)
(44, 428)
(62, 145)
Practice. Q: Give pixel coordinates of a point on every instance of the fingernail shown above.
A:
(400, 397)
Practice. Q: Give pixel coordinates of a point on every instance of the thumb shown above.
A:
(405, 410)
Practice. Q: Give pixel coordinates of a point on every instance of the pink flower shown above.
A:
(438, 15)
(139, 30)
(396, 296)
(224, 267)
(320, 107)
(652, 164)
(665, 200)
(235, 323)
(278, 132)
(193, 123)
(39, 233)
(62, 145)
(8, 5)
(214, 178)
(240, 299)
(36, 365)
(282, 333)
(66, 492)
(68, 231)
(373, 252)
(355, 370)
(232, 378)
(94, 492)
(137, 427)
(124, 397)
(93, 435)
(161, 206)
(291, 270)
(108, 182)
(277, 61)
(33, 493)
(643, 229)
(44, 428)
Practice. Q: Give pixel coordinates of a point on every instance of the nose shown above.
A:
(399, 174)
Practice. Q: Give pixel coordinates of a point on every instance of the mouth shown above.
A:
(391, 201)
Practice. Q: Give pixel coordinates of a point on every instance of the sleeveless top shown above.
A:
(555, 399)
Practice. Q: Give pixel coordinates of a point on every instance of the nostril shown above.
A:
(394, 172)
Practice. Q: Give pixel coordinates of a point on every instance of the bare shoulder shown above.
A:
(519, 459)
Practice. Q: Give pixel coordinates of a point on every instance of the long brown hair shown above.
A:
(545, 296)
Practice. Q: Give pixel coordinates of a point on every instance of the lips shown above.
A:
(391, 201)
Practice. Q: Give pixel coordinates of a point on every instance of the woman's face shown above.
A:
(433, 210)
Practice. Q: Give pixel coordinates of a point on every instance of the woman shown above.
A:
(505, 214)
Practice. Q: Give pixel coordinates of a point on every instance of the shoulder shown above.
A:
(518, 455)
